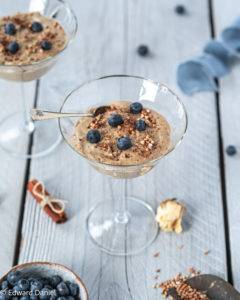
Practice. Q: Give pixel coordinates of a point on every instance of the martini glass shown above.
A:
(18, 127)
(124, 225)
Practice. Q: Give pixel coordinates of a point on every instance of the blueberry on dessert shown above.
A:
(36, 285)
(36, 27)
(93, 136)
(140, 125)
(55, 280)
(10, 29)
(13, 47)
(114, 120)
(46, 45)
(73, 288)
(124, 143)
(136, 108)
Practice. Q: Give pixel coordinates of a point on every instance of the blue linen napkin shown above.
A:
(198, 74)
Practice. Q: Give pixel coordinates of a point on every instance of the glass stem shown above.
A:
(122, 215)
(28, 123)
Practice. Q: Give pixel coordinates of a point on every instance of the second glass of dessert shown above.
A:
(140, 123)
(33, 34)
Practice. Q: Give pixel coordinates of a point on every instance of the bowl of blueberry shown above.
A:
(43, 281)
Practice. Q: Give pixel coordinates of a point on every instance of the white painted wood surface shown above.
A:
(225, 13)
(12, 173)
(106, 45)
(109, 32)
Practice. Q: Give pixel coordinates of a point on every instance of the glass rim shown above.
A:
(57, 54)
(127, 76)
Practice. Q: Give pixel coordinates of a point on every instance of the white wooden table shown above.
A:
(199, 172)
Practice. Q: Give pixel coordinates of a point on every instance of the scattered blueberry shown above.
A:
(46, 45)
(10, 29)
(143, 50)
(73, 288)
(231, 150)
(114, 120)
(63, 289)
(14, 277)
(136, 108)
(124, 143)
(93, 136)
(36, 27)
(13, 47)
(36, 285)
(180, 9)
(45, 294)
(4, 285)
(23, 285)
(55, 280)
(140, 125)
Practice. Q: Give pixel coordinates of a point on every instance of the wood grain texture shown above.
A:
(12, 173)
(109, 32)
(224, 15)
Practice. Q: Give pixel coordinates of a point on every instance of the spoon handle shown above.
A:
(40, 115)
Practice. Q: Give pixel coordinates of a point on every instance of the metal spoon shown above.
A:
(215, 288)
(40, 115)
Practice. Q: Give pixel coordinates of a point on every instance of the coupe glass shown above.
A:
(18, 127)
(124, 225)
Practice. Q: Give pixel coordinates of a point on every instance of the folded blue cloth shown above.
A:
(199, 73)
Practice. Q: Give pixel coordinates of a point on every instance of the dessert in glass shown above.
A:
(33, 35)
(143, 121)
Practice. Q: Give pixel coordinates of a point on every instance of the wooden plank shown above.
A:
(191, 173)
(224, 15)
(12, 174)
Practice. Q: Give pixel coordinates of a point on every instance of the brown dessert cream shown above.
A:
(126, 134)
(26, 39)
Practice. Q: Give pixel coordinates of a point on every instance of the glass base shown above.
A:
(15, 136)
(119, 234)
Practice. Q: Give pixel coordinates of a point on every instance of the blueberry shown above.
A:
(136, 108)
(140, 125)
(73, 288)
(93, 136)
(70, 298)
(23, 285)
(231, 150)
(4, 296)
(45, 280)
(124, 143)
(25, 297)
(62, 298)
(143, 50)
(36, 27)
(14, 277)
(33, 297)
(62, 289)
(114, 120)
(55, 280)
(45, 294)
(4, 285)
(180, 9)
(54, 294)
(36, 285)
(46, 45)
(10, 29)
(13, 47)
